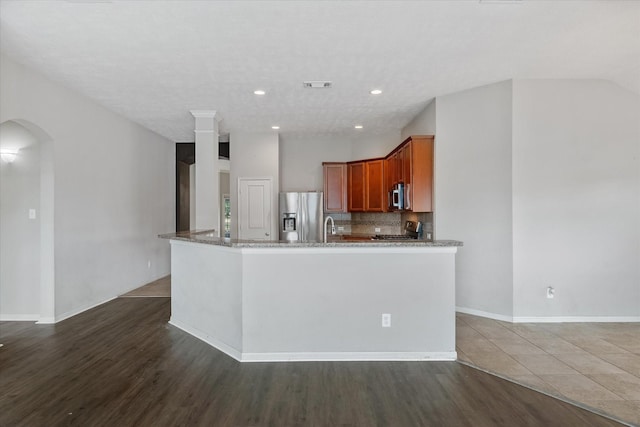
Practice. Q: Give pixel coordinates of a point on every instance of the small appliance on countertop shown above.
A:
(412, 231)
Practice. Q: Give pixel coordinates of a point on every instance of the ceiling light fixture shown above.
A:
(358, 126)
(8, 155)
(259, 92)
(375, 92)
(275, 127)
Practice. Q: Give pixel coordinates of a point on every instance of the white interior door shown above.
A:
(254, 208)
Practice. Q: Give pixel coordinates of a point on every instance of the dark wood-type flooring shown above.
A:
(121, 364)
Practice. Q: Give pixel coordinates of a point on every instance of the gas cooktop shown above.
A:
(412, 230)
(394, 237)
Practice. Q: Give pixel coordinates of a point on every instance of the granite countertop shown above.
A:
(208, 237)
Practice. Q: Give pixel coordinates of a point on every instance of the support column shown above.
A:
(207, 171)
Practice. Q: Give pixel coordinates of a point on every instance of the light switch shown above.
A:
(32, 214)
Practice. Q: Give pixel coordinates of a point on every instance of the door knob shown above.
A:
(266, 234)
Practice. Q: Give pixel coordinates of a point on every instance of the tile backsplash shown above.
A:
(342, 220)
(388, 223)
(427, 222)
(366, 223)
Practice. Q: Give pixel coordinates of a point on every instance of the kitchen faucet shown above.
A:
(333, 227)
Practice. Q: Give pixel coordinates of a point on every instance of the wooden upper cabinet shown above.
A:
(399, 166)
(394, 175)
(421, 173)
(335, 187)
(390, 172)
(407, 175)
(375, 186)
(356, 186)
(406, 156)
(366, 186)
(411, 163)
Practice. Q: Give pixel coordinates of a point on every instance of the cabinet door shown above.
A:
(335, 187)
(407, 174)
(375, 191)
(356, 186)
(389, 172)
(422, 174)
(399, 163)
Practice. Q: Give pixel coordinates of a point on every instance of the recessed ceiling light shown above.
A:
(358, 126)
(275, 127)
(259, 92)
(375, 92)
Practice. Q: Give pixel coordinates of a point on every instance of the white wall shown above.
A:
(342, 314)
(301, 156)
(301, 160)
(255, 155)
(541, 181)
(422, 124)
(19, 235)
(576, 204)
(251, 303)
(114, 190)
(369, 146)
(473, 193)
(206, 293)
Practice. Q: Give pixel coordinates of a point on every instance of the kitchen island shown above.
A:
(282, 301)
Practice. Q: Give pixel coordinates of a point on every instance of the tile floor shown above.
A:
(595, 365)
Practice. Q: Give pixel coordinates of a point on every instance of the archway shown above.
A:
(27, 281)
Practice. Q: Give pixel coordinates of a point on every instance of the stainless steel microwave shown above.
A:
(396, 197)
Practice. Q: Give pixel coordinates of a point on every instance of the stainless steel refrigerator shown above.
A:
(301, 217)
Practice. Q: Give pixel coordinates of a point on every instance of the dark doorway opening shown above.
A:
(185, 157)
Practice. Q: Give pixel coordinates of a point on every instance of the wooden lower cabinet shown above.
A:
(335, 187)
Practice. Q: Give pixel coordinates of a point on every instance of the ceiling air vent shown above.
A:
(317, 84)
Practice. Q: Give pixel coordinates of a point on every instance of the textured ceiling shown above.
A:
(153, 61)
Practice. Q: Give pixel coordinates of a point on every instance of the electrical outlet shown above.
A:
(550, 292)
(377, 229)
(340, 228)
(386, 320)
(149, 264)
(32, 214)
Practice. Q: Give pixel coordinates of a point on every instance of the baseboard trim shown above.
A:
(578, 319)
(202, 336)
(75, 312)
(373, 356)
(550, 319)
(313, 356)
(46, 321)
(19, 317)
(486, 314)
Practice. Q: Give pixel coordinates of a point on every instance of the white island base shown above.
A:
(316, 303)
